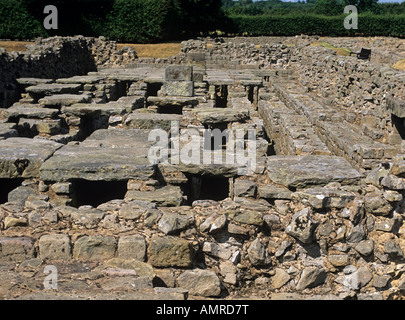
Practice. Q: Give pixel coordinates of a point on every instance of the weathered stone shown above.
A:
(87, 217)
(358, 279)
(244, 188)
(109, 155)
(394, 251)
(303, 171)
(151, 121)
(172, 223)
(53, 88)
(23, 157)
(322, 198)
(229, 272)
(62, 187)
(168, 196)
(10, 222)
(132, 247)
(280, 278)
(219, 223)
(94, 248)
(365, 247)
(16, 249)
(133, 210)
(179, 73)
(356, 234)
(257, 253)
(338, 260)
(221, 115)
(8, 130)
(200, 283)
(302, 226)
(377, 205)
(380, 282)
(221, 251)
(392, 182)
(250, 217)
(58, 100)
(273, 192)
(178, 88)
(142, 269)
(170, 252)
(311, 277)
(55, 247)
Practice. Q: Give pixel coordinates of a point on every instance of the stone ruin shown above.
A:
(319, 217)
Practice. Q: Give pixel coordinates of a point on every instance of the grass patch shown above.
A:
(159, 50)
(339, 51)
(400, 65)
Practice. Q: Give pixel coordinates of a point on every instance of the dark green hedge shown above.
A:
(17, 23)
(142, 21)
(146, 21)
(289, 25)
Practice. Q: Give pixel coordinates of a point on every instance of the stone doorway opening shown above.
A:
(152, 88)
(221, 96)
(399, 124)
(95, 193)
(6, 186)
(205, 187)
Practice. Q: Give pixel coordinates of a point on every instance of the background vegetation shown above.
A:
(149, 21)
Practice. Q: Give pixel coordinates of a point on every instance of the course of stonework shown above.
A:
(318, 216)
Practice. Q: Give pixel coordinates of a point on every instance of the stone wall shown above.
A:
(57, 57)
(360, 88)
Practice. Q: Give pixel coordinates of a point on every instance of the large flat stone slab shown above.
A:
(221, 115)
(92, 109)
(311, 170)
(22, 157)
(58, 100)
(151, 120)
(54, 88)
(30, 111)
(109, 155)
(172, 101)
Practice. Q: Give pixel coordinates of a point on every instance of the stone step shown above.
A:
(292, 134)
(42, 90)
(341, 137)
(310, 170)
(59, 100)
(29, 111)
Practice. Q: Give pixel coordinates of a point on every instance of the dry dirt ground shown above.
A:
(160, 50)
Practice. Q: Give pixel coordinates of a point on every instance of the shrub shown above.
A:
(17, 23)
(142, 21)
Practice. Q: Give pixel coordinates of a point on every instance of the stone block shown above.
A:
(244, 188)
(178, 88)
(132, 247)
(16, 249)
(168, 252)
(62, 187)
(179, 73)
(94, 248)
(200, 283)
(55, 247)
